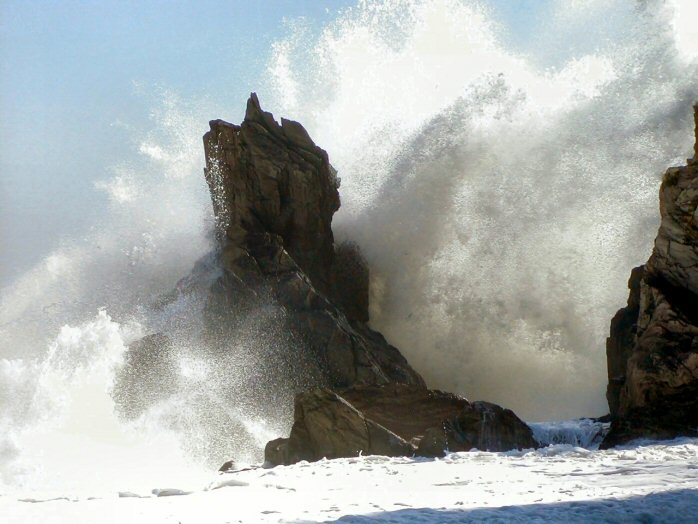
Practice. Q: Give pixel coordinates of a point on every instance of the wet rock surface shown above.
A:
(394, 420)
(653, 346)
(274, 193)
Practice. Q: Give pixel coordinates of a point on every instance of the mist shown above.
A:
(500, 197)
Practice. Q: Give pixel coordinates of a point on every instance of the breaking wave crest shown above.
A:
(501, 195)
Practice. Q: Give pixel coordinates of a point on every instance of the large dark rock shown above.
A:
(276, 293)
(274, 193)
(284, 308)
(394, 420)
(653, 347)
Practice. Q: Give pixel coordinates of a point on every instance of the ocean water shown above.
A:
(500, 187)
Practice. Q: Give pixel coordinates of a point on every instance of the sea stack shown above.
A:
(274, 193)
(652, 350)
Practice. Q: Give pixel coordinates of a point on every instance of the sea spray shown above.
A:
(154, 229)
(500, 196)
(499, 193)
(67, 438)
(63, 433)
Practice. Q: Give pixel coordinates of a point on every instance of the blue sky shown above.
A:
(68, 71)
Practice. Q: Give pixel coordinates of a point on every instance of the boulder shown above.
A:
(394, 420)
(652, 350)
(327, 426)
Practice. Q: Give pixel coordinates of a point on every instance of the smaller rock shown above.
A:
(327, 426)
(228, 465)
(394, 420)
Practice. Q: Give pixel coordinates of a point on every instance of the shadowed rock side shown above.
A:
(620, 343)
(652, 350)
(394, 420)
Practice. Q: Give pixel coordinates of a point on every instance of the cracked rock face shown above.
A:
(274, 193)
(394, 420)
(279, 301)
(653, 347)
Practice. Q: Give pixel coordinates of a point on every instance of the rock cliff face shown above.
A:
(652, 350)
(274, 193)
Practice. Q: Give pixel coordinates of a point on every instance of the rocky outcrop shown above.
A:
(326, 425)
(394, 420)
(652, 351)
(277, 305)
(277, 281)
(274, 193)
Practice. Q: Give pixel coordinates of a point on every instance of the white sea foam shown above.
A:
(562, 483)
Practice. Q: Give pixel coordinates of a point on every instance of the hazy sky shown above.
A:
(71, 71)
(103, 105)
(77, 77)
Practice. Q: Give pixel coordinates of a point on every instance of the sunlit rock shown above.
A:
(394, 420)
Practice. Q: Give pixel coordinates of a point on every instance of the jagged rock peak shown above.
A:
(273, 189)
(274, 193)
(290, 130)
